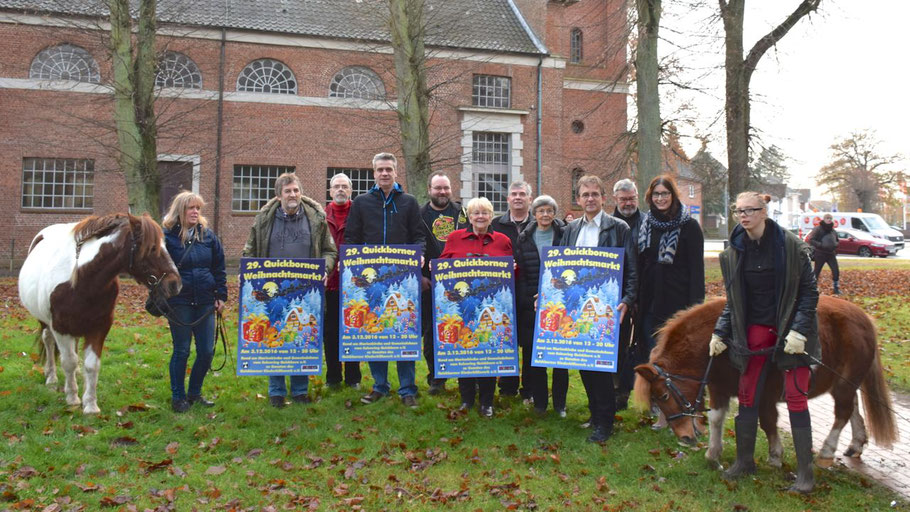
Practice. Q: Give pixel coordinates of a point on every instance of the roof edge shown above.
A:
(524, 24)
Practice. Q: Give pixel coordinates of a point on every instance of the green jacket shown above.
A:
(797, 295)
(257, 245)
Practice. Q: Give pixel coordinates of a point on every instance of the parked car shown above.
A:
(861, 243)
(868, 222)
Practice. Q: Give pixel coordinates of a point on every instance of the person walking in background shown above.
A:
(544, 231)
(386, 215)
(290, 225)
(336, 215)
(477, 241)
(823, 239)
(200, 260)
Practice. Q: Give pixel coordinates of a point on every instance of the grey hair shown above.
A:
(385, 156)
(544, 200)
(341, 175)
(625, 185)
(521, 184)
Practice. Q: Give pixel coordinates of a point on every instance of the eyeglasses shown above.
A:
(626, 199)
(657, 195)
(545, 211)
(746, 212)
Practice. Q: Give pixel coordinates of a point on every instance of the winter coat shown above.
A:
(824, 241)
(464, 243)
(336, 228)
(505, 225)
(375, 219)
(796, 291)
(527, 256)
(201, 268)
(613, 233)
(257, 245)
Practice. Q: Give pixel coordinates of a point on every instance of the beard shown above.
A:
(440, 202)
(628, 211)
(340, 199)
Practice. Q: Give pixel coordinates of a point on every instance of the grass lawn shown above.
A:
(338, 454)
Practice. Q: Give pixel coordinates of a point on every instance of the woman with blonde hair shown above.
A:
(199, 258)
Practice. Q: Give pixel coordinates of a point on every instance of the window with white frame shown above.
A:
(58, 183)
(254, 185)
(490, 165)
(691, 191)
(267, 76)
(576, 39)
(178, 70)
(65, 62)
(361, 179)
(492, 91)
(357, 82)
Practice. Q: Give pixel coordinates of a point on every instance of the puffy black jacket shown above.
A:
(393, 220)
(202, 270)
(527, 257)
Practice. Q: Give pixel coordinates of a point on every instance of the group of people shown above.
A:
(663, 273)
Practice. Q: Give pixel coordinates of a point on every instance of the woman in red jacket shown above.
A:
(477, 241)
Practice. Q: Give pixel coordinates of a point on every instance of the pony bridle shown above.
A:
(687, 409)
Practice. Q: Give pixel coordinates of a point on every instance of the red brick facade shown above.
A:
(309, 130)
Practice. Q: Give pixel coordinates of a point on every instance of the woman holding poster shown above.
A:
(477, 241)
(199, 257)
(544, 231)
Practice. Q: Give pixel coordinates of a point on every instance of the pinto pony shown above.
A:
(672, 377)
(69, 282)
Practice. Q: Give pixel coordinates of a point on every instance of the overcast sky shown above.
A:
(841, 70)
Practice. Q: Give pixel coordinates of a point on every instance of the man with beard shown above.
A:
(336, 214)
(823, 239)
(511, 224)
(625, 193)
(439, 217)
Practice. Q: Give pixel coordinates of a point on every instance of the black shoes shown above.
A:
(372, 397)
(180, 405)
(301, 399)
(600, 434)
(277, 402)
(199, 399)
(437, 386)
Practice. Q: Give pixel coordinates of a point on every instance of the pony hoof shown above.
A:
(714, 464)
(824, 462)
(775, 463)
(73, 402)
(51, 382)
(853, 453)
(91, 409)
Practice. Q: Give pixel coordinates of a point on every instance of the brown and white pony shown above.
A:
(69, 282)
(671, 379)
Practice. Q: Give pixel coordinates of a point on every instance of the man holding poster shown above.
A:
(290, 225)
(597, 229)
(386, 216)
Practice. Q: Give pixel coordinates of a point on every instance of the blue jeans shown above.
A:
(299, 385)
(204, 332)
(406, 375)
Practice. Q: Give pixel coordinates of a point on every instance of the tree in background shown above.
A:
(713, 177)
(738, 75)
(769, 168)
(650, 149)
(859, 174)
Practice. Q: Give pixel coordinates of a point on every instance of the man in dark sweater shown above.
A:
(386, 216)
(511, 224)
(439, 217)
(625, 193)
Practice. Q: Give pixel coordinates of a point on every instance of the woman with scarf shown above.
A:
(823, 239)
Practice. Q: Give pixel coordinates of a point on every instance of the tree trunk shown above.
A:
(407, 26)
(649, 124)
(134, 113)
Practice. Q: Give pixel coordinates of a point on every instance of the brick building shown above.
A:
(522, 89)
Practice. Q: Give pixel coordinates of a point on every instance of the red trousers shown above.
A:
(796, 380)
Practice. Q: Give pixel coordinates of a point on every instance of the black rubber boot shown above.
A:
(746, 424)
(801, 429)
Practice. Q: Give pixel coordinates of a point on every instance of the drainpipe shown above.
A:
(220, 129)
(539, 123)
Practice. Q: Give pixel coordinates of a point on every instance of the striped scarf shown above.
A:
(669, 240)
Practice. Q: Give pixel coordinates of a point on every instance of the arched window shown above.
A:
(575, 46)
(65, 62)
(178, 70)
(268, 76)
(357, 82)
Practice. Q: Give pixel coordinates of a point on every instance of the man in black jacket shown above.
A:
(386, 216)
(625, 193)
(439, 217)
(597, 229)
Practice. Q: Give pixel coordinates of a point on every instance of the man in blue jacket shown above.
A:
(386, 216)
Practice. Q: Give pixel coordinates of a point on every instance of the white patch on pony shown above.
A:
(91, 247)
(715, 434)
(91, 367)
(49, 263)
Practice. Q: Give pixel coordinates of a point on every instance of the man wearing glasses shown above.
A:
(386, 216)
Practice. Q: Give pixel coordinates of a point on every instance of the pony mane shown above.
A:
(681, 325)
(148, 239)
(95, 226)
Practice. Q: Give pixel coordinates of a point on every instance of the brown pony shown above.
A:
(69, 282)
(847, 335)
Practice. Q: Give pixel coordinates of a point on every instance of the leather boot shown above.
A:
(801, 430)
(746, 425)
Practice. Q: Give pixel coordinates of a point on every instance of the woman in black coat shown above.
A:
(545, 230)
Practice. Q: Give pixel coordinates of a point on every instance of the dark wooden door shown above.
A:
(175, 177)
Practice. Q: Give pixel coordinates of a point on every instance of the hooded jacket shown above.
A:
(384, 220)
(257, 245)
(796, 291)
(201, 267)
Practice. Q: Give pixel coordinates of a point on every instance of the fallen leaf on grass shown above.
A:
(124, 441)
(137, 407)
(115, 501)
(87, 486)
(172, 447)
(25, 472)
(125, 424)
(176, 471)
(82, 429)
(154, 466)
(215, 470)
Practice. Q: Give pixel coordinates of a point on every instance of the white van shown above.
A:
(870, 222)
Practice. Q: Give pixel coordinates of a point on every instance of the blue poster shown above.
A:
(282, 301)
(576, 324)
(380, 303)
(474, 317)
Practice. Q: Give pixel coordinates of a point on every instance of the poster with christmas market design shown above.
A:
(379, 303)
(474, 317)
(281, 316)
(576, 324)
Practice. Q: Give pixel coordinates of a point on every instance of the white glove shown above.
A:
(796, 343)
(717, 346)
